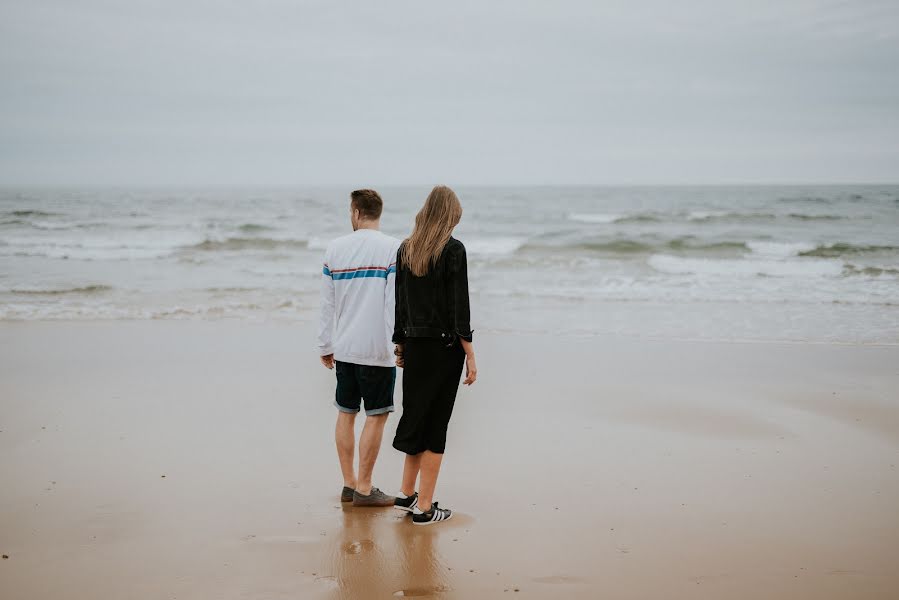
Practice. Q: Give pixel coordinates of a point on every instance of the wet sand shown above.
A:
(195, 460)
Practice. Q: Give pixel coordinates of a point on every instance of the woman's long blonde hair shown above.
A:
(434, 225)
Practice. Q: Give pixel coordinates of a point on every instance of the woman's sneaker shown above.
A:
(435, 515)
(346, 494)
(407, 503)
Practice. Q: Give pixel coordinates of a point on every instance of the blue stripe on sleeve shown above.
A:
(355, 274)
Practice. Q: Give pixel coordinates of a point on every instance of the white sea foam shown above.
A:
(779, 249)
(665, 263)
(496, 246)
(702, 215)
(318, 243)
(114, 246)
(599, 218)
(82, 253)
(288, 270)
(49, 225)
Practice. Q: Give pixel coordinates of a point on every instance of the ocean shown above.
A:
(802, 264)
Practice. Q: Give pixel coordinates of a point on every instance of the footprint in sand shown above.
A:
(328, 581)
(358, 547)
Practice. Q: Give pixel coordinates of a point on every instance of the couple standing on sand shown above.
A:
(377, 291)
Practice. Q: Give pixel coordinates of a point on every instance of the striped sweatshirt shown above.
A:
(357, 298)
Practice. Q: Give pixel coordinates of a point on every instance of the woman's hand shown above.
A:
(398, 351)
(471, 369)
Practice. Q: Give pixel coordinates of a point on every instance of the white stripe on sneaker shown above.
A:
(437, 515)
(411, 507)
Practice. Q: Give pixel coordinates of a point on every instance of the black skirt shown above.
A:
(430, 381)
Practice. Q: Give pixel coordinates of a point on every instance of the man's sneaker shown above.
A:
(346, 494)
(408, 503)
(375, 498)
(435, 515)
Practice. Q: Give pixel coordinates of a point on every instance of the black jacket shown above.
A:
(436, 305)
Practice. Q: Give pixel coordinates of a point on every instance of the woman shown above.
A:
(433, 339)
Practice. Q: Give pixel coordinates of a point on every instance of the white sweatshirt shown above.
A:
(357, 300)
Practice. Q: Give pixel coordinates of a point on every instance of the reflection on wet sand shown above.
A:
(422, 571)
(380, 554)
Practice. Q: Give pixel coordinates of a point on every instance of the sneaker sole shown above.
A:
(433, 522)
(403, 508)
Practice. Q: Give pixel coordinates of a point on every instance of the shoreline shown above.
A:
(602, 336)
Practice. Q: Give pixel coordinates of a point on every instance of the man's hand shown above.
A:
(328, 361)
(398, 351)
(471, 369)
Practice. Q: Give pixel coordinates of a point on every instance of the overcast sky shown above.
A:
(495, 92)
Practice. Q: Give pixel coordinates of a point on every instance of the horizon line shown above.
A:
(425, 184)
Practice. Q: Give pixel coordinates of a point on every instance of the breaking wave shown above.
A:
(728, 267)
(36, 291)
(29, 213)
(240, 243)
(628, 246)
(699, 217)
(843, 249)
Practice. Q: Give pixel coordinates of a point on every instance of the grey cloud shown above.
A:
(471, 92)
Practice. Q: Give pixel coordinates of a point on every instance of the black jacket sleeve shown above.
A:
(459, 290)
(401, 309)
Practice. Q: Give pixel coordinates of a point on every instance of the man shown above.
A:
(357, 315)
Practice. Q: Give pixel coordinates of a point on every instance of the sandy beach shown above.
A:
(175, 459)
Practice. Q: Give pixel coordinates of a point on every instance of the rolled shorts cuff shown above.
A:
(379, 411)
(344, 409)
